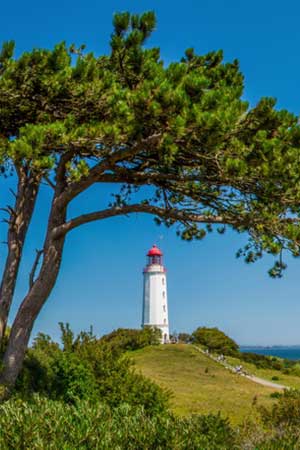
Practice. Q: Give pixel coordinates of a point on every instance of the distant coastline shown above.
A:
(281, 351)
(270, 346)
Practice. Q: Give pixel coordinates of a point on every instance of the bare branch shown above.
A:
(49, 182)
(13, 193)
(9, 222)
(34, 267)
(9, 210)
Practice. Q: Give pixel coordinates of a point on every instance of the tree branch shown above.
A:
(109, 162)
(34, 267)
(49, 182)
(13, 193)
(181, 216)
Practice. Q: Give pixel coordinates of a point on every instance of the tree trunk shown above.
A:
(28, 312)
(20, 218)
(33, 302)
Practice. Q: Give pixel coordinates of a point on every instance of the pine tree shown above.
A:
(71, 119)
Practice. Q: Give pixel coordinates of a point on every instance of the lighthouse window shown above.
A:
(164, 308)
(163, 294)
(163, 281)
(165, 321)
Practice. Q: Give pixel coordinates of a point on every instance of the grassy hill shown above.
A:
(199, 384)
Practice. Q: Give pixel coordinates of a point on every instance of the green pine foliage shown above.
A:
(210, 155)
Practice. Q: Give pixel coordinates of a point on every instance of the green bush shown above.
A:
(73, 380)
(124, 339)
(294, 369)
(285, 413)
(205, 432)
(278, 427)
(275, 394)
(87, 368)
(185, 338)
(215, 341)
(46, 424)
(286, 366)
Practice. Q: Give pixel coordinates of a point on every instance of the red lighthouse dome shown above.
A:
(154, 251)
(154, 256)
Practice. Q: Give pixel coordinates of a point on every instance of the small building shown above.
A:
(155, 300)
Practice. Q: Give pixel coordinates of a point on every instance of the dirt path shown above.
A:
(266, 382)
(253, 378)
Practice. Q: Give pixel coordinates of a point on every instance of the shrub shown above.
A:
(86, 368)
(275, 394)
(262, 361)
(73, 379)
(124, 339)
(294, 370)
(285, 413)
(42, 423)
(286, 366)
(215, 340)
(280, 430)
(186, 338)
(251, 435)
(206, 432)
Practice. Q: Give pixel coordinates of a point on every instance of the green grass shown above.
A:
(199, 384)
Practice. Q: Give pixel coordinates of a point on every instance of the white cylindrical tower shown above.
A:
(155, 301)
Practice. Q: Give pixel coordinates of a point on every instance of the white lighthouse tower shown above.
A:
(155, 301)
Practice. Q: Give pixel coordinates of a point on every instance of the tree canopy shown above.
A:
(71, 119)
(215, 340)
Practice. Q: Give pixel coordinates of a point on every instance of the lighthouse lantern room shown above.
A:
(155, 304)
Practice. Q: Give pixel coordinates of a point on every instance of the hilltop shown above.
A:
(199, 384)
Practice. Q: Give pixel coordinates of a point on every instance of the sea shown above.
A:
(289, 352)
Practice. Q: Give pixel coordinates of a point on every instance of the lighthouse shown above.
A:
(155, 301)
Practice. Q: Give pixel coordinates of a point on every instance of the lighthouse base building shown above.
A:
(155, 303)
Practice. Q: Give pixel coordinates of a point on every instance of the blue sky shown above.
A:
(101, 278)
